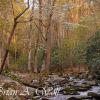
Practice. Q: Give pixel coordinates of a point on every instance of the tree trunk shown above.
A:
(36, 55)
(38, 37)
(7, 50)
(12, 33)
(36, 60)
(29, 57)
(0, 54)
(48, 34)
(48, 49)
(30, 43)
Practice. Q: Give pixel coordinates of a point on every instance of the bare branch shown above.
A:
(12, 9)
(25, 21)
(41, 22)
(40, 31)
(19, 15)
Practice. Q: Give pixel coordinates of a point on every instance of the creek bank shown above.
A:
(70, 87)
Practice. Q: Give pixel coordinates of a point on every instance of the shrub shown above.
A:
(93, 53)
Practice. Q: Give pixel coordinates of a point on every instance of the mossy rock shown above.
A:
(70, 91)
(12, 85)
(83, 87)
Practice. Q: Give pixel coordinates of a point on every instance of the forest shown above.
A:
(49, 49)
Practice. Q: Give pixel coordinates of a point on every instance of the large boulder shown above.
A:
(94, 95)
(69, 91)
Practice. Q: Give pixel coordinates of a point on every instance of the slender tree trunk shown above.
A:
(29, 56)
(7, 50)
(30, 69)
(36, 55)
(30, 41)
(36, 59)
(7, 62)
(38, 37)
(12, 33)
(48, 49)
(29, 61)
(0, 54)
(48, 34)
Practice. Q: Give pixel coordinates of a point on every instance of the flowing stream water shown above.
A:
(95, 89)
